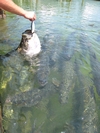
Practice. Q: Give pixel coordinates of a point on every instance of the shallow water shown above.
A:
(58, 91)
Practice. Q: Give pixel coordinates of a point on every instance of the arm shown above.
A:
(10, 6)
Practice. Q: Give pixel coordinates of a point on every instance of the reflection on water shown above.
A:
(58, 91)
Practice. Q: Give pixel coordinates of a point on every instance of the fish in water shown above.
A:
(95, 64)
(43, 70)
(69, 47)
(30, 44)
(27, 99)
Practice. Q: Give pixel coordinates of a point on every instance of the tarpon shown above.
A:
(69, 47)
(95, 64)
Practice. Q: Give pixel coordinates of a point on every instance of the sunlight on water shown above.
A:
(57, 91)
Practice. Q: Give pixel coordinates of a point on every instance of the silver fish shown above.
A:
(32, 27)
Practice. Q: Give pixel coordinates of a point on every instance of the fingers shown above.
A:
(30, 15)
(34, 18)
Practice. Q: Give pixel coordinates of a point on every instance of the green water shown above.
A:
(58, 91)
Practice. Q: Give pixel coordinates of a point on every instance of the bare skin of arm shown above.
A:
(10, 6)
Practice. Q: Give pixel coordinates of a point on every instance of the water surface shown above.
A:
(58, 91)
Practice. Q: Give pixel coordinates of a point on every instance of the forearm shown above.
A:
(10, 6)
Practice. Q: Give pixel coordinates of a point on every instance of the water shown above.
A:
(58, 91)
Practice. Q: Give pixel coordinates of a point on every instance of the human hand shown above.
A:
(30, 15)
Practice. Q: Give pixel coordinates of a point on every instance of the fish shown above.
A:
(69, 47)
(30, 44)
(43, 69)
(95, 65)
(28, 98)
(32, 27)
(94, 62)
(84, 44)
(44, 57)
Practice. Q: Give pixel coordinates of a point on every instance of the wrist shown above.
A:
(24, 12)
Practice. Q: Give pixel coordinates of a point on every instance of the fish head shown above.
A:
(30, 43)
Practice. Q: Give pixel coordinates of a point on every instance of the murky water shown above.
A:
(59, 90)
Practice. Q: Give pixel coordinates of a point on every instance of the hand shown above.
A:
(30, 15)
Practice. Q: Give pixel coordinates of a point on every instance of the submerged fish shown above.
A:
(69, 47)
(95, 64)
(43, 70)
(84, 44)
(28, 98)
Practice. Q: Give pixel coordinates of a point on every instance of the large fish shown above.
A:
(44, 65)
(95, 64)
(27, 99)
(30, 44)
(69, 47)
(43, 70)
(84, 103)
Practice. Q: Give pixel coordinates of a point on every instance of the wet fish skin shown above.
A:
(32, 27)
(25, 98)
(44, 66)
(84, 44)
(68, 83)
(95, 64)
(43, 70)
(56, 51)
(30, 44)
(68, 49)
